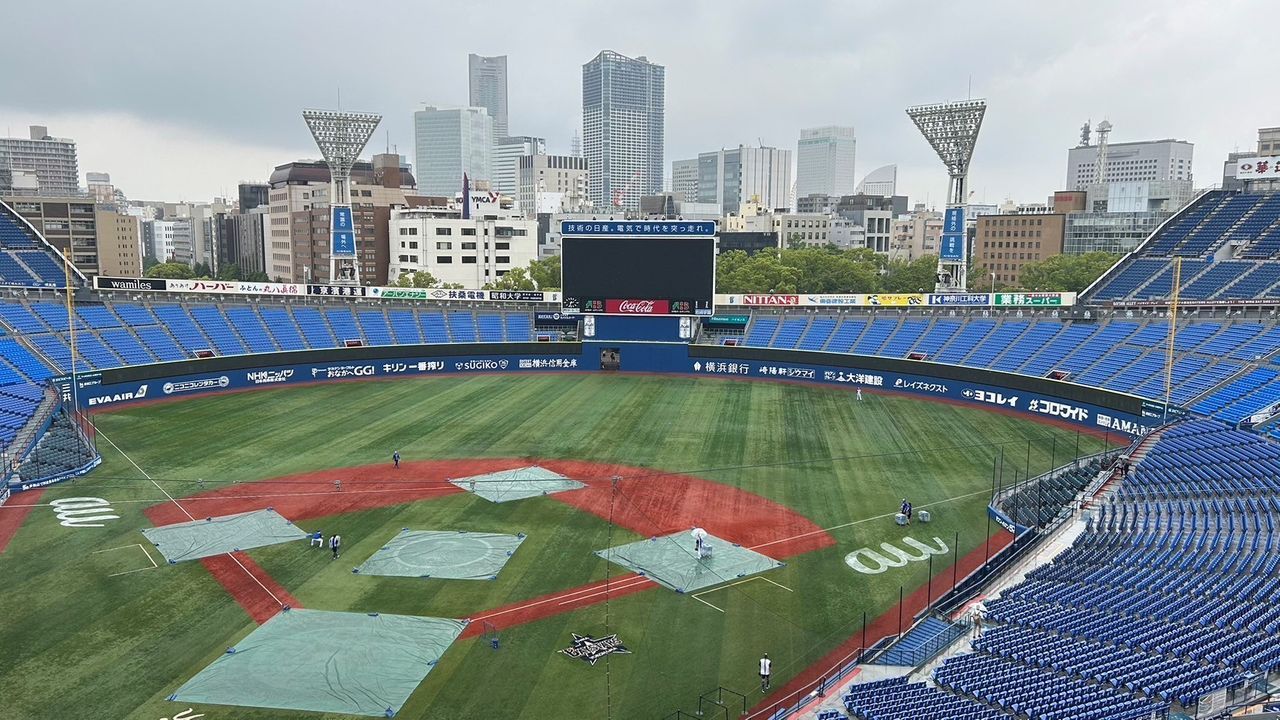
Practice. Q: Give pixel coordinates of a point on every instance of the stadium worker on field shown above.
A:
(335, 543)
(766, 669)
(395, 458)
(317, 539)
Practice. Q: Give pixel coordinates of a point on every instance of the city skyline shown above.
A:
(1042, 72)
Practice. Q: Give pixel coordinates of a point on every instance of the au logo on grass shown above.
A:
(589, 649)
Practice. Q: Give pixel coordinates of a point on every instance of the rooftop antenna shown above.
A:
(1084, 133)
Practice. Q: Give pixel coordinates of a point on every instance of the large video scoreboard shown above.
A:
(645, 267)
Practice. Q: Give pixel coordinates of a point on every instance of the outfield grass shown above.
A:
(75, 643)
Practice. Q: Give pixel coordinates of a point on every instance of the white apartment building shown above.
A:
(916, 236)
(824, 161)
(551, 183)
(470, 252)
(39, 165)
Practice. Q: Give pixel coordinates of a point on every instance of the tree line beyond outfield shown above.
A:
(829, 270)
(792, 270)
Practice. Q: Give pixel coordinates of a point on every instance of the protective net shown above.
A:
(459, 555)
(516, 484)
(673, 561)
(226, 533)
(320, 661)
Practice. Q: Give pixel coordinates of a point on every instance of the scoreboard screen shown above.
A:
(620, 275)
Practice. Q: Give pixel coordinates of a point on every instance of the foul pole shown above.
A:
(1173, 335)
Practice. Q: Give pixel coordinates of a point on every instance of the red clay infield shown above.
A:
(646, 502)
(12, 516)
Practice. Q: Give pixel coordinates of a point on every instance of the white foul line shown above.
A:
(863, 520)
(234, 559)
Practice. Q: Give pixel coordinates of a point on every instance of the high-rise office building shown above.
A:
(684, 179)
(623, 110)
(39, 165)
(882, 181)
(1151, 160)
(487, 79)
(824, 161)
(506, 161)
(730, 178)
(451, 143)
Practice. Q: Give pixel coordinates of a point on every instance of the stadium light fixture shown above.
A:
(952, 131)
(341, 137)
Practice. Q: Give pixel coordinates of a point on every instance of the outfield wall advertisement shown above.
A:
(100, 391)
(238, 287)
(1018, 299)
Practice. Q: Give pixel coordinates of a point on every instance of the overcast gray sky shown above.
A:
(181, 100)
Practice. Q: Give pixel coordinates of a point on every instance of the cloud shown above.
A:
(143, 84)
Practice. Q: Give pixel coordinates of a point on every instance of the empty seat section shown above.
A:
(790, 332)
(214, 323)
(21, 319)
(374, 324)
(1211, 281)
(1218, 400)
(175, 318)
(965, 340)
(283, 329)
(133, 314)
(489, 328)
(874, 337)
(12, 273)
(249, 326)
(1040, 363)
(519, 328)
(846, 334)
(46, 269)
(160, 343)
(1255, 284)
(818, 333)
(127, 346)
(433, 327)
(935, 337)
(1108, 336)
(98, 316)
(901, 341)
(1025, 346)
(314, 328)
(56, 350)
(761, 331)
(343, 325)
(994, 344)
(24, 361)
(405, 327)
(1129, 278)
(462, 325)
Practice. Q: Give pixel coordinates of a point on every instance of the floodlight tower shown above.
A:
(952, 129)
(341, 137)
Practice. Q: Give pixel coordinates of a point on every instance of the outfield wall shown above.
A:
(1092, 409)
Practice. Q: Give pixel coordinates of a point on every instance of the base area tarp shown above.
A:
(457, 555)
(517, 484)
(673, 562)
(319, 661)
(223, 534)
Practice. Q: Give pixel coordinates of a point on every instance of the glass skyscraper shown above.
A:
(623, 110)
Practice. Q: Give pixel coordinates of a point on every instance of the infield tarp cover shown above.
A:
(318, 661)
(457, 555)
(226, 533)
(672, 562)
(517, 484)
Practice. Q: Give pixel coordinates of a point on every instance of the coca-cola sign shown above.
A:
(638, 307)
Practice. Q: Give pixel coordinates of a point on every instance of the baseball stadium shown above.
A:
(620, 498)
